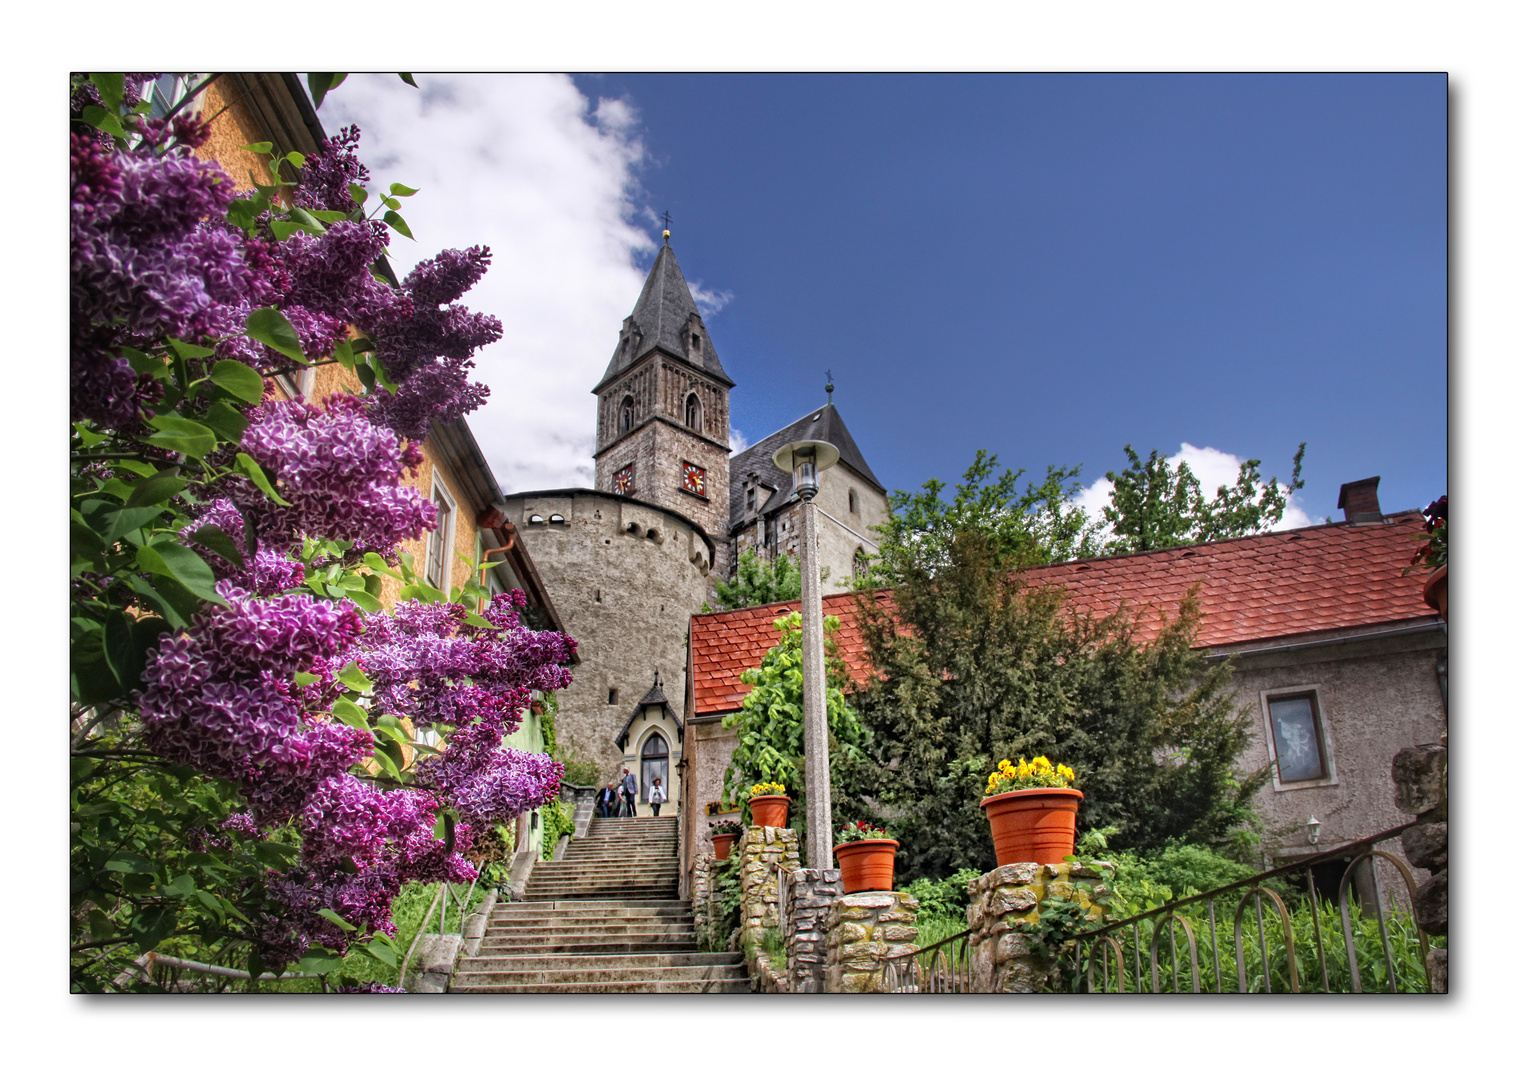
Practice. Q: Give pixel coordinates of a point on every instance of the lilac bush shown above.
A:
(245, 714)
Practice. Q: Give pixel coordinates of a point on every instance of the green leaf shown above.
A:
(99, 118)
(367, 376)
(90, 677)
(408, 78)
(321, 82)
(179, 435)
(395, 219)
(284, 230)
(226, 420)
(183, 885)
(305, 678)
(185, 566)
(269, 327)
(331, 216)
(363, 599)
(403, 190)
(251, 468)
(318, 965)
(352, 676)
(142, 362)
(110, 85)
(240, 380)
(391, 203)
(330, 914)
(129, 862)
(377, 563)
(150, 926)
(187, 351)
(478, 620)
(296, 159)
(150, 492)
(89, 438)
(358, 194)
(218, 542)
(129, 518)
(172, 616)
(383, 952)
(257, 147)
(350, 713)
(308, 222)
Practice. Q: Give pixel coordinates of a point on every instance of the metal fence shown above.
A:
(1363, 943)
(1241, 938)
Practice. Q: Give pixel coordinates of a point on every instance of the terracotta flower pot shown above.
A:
(867, 864)
(1034, 825)
(1435, 592)
(770, 809)
(723, 844)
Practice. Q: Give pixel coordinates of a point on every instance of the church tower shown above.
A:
(662, 430)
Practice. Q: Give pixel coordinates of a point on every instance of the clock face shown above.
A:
(622, 483)
(694, 479)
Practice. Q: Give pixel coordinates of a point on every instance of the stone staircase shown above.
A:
(605, 919)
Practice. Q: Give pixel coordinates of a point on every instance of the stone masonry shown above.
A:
(1420, 774)
(1005, 899)
(865, 930)
(700, 893)
(766, 850)
(808, 908)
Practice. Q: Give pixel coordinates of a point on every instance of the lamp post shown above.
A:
(805, 460)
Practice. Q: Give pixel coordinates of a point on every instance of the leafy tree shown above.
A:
(1155, 506)
(771, 743)
(758, 581)
(1041, 525)
(977, 667)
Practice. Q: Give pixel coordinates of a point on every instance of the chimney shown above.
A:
(1359, 499)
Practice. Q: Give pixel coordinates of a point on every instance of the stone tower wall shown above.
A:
(625, 580)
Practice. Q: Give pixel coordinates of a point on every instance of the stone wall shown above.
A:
(1004, 900)
(765, 851)
(808, 910)
(708, 750)
(865, 930)
(700, 894)
(626, 595)
(1420, 774)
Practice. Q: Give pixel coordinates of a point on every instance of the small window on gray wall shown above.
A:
(612, 700)
(853, 501)
(1299, 749)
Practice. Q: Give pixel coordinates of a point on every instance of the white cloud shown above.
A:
(737, 440)
(529, 166)
(709, 301)
(1212, 468)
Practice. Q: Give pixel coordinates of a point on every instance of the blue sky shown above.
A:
(1052, 266)
(1043, 266)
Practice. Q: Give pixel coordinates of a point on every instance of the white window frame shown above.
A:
(1323, 731)
(438, 490)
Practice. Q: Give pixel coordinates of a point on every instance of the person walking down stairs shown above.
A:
(605, 919)
(655, 796)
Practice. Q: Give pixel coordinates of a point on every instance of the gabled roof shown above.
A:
(825, 424)
(663, 311)
(1277, 586)
(655, 696)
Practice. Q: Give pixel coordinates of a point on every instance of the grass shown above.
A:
(937, 929)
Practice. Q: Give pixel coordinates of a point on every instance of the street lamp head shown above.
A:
(805, 461)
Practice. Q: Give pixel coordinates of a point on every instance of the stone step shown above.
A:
(601, 884)
(669, 904)
(482, 975)
(588, 923)
(532, 893)
(732, 984)
(596, 962)
(614, 866)
(515, 945)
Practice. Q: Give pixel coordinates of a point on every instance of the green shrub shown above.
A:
(943, 900)
(556, 822)
(581, 773)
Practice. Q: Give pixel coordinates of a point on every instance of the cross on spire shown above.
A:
(829, 387)
(667, 221)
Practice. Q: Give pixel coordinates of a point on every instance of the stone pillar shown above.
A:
(865, 930)
(1420, 774)
(700, 893)
(765, 850)
(1005, 899)
(808, 908)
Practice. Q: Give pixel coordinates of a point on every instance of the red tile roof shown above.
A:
(1257, 588)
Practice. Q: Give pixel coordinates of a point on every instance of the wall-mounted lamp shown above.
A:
(1313, 830)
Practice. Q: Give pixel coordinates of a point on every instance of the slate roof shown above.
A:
(663, 309)
(1280, 585)
(824, 424)
(655, 696)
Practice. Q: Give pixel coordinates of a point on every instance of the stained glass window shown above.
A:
(694, 479)
(621, 485)
(1297, 738)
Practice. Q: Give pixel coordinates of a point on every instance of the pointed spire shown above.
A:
(662, 319)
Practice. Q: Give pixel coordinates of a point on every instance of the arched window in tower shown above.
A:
(692, 412)
(655, 762)
(628, 413)
(853, 501)
(861, 563)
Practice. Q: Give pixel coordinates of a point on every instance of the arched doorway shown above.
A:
(655, 762)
